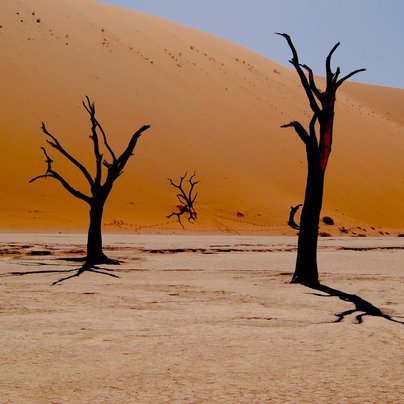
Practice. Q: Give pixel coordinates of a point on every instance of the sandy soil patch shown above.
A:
(199, 320)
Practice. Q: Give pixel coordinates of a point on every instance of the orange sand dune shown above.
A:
(213, 107)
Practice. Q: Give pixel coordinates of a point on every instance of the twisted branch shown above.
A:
(54, 174)
(329, 73)
(313, 86)
(91, 110)
(299, 129)
(56, 144)
(306, 85)
(348, 76)
(291, 221)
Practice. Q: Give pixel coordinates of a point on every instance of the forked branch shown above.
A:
(339, 82)
(53, 174)
(54, 142)
(310, 92)
(186, 199)
(313, 86)
(308, 83)
(90, 108)
(329, 74)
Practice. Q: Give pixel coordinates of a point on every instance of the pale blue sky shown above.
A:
(371, 32)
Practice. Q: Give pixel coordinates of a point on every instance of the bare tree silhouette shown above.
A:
(100, 187)
(186, 199)
(318, 150)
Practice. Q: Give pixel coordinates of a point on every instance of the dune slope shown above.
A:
(213, 107)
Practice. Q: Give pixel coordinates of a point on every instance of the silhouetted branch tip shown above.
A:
(299, 129)
(283, 34)
(340, 81)
(143, 128)
(287, 125)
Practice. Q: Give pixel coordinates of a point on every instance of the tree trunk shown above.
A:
(306, 271)
(95, 255)
(318, 150)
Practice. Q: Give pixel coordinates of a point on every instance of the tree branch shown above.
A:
(56, 144)
(332, 83)
(106, 141)
(302, 133)
(192, 183)
(348, 76)
(313, 86)
(329, 73)
(53, 174)
(291, 221)
(335, 77)
(295, 62)
(312, 127)
(120, 163)
(90, 108)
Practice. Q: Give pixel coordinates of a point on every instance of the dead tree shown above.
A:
(318, 149)
(100, 185)
(186, 199)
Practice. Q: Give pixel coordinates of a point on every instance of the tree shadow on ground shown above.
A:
(362, 307)
(76, 271)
